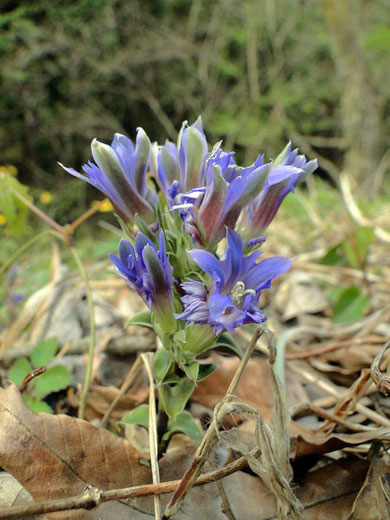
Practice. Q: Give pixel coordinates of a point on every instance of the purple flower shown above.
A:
(179, 168)
(208, 210)
(287, 169)
(120, 173)
(149, 273)
(236, 284)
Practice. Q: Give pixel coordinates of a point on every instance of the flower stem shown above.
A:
(91, 349)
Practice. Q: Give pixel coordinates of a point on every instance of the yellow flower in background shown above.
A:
(8, 168)
(105, 206)
(3, 219)
(45, 197)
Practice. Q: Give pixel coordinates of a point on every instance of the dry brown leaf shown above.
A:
(13, 494)
(371, 502)
(101, 397)
(305, 444)
(58, 456)
(298, 294)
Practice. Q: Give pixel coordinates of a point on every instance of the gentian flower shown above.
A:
(287, 170)
(208, 210)
(236, 284)
(120, 173)
(150, 274)
(179, 168)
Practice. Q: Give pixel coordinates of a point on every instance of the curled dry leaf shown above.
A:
(57, 456)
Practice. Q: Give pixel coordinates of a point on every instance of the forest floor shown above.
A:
(329, 319)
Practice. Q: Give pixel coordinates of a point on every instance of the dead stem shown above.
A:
(211, 437)
(89, 500)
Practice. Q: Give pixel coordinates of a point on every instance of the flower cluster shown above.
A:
(179, 203)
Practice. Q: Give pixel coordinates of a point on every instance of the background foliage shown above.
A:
(259, 72)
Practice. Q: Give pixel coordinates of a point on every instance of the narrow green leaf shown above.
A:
(43, 352)
(139, 415)
(56, 378)
(19, 370)
(162, 363)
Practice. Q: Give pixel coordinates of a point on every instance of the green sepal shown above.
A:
(143, 319)
(143, 227)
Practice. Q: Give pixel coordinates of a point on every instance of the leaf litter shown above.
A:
(337, 436)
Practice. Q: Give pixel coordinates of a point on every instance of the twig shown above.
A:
(312, 377)
(90, 500)
(91, 211)
(380, 379)
(37, 211)
(211, 437)
(153, 441)
(29, 377)
(133, 373)
(88, 294)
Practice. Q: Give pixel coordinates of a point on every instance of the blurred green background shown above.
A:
(260, 72)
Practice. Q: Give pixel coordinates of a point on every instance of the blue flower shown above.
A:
(150, 274)
(287, 170)
(179, 168)
(236, 284)
(208, 210)
(120, 173)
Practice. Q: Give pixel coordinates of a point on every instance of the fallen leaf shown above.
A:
(12, 493)
(58, 456)
(254, 387)
(100, 398)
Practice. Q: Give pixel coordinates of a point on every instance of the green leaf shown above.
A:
(350, 306)
(139, 415)
(144, 319)
(225, 340)
(191, 370)
(54, 379)
(43, 352)
(357, 246)
(37, 405)
(184, 423)
(19, 370)
(205, 369)
(174, 396)
(162, 363)
(334, 256)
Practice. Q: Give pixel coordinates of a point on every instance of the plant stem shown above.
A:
(37, 211)
(27, 246)
(91, 349)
